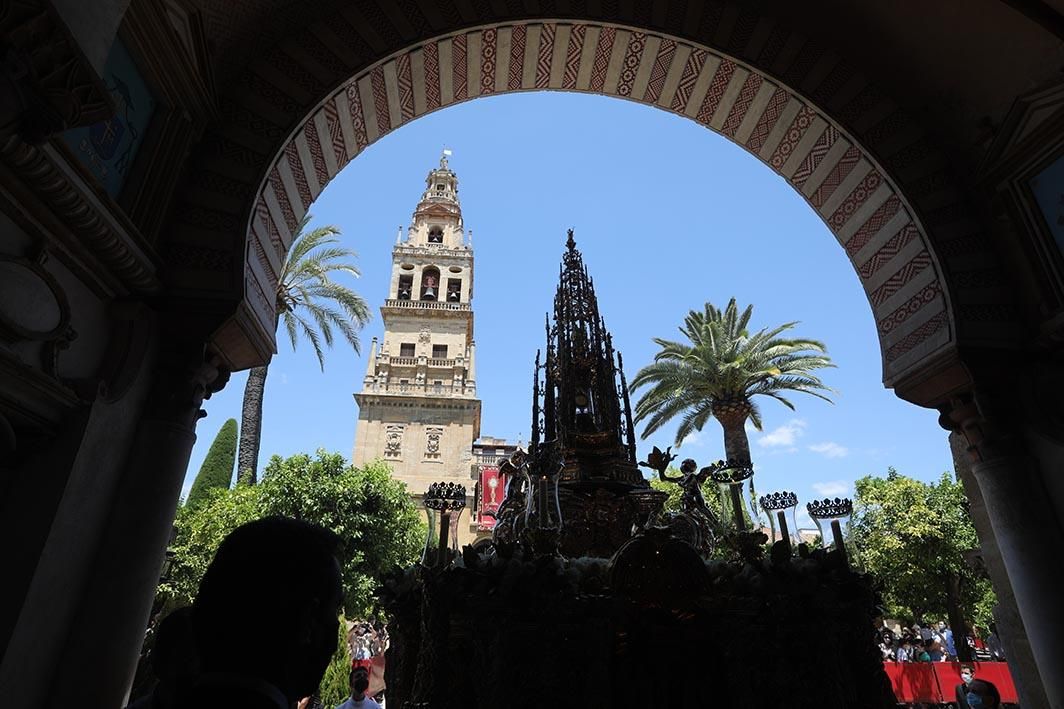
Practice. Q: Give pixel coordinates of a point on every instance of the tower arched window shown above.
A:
(436, 235)
(430, 284)
(406, 287)
(454, 290)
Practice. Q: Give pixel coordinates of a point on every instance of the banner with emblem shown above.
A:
(108, 148)
(492, 492)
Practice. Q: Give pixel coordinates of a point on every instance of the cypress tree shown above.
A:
(217, 468)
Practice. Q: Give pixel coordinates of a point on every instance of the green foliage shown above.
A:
(722, 363)
(199, 530)
(369, 510)
(335, 687)
(912, 536)
(217, 469)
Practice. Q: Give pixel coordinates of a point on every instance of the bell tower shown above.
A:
(418, 409)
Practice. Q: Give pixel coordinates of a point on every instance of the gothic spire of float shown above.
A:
(584, 400)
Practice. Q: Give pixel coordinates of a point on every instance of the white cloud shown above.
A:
(694, 438)
(832, 488)
(283, 377)
(830, 449)
(785, 435)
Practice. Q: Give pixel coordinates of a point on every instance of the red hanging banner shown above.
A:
(492, 491)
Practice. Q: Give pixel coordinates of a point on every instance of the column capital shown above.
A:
(976, 416)
(185, 375)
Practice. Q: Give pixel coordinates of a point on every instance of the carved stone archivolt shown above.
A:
(50, 84)
(128, 260)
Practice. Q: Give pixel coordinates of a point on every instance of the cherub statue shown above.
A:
(695, 522)
(691, 482)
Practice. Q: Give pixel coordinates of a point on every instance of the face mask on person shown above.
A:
(966, 676)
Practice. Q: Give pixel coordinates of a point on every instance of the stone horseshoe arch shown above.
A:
(855, 192)
(843, 183)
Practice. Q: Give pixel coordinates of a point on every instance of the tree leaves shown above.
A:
(366, 507)
(722, 362)
(913, 535)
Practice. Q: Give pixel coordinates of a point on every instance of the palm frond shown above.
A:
(309, 302)
(722, 360)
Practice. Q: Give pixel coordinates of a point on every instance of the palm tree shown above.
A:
(307, 301)
(718, 371)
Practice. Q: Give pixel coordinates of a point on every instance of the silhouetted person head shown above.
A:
(358, 681)
(267, 606)
(174, 659)
(983, 695)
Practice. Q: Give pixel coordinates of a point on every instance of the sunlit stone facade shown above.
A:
(418, 409)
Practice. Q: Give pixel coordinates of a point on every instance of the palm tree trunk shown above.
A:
(251, 427)
(733, 420)
(736, 446)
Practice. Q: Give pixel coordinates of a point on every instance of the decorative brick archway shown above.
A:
(784, 84)
(845, 185)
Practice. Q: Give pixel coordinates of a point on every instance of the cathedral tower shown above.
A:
(418, 409)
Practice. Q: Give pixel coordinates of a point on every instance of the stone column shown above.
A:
(106, 634)
(1025, 529)
(471, 376)
(1007, 616)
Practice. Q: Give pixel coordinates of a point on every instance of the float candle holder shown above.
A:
(836, 535)
(445, 528)
(778, 505)
(785, 536)
(830, 515)
(444, 503)
(730, 477)
(736, 492)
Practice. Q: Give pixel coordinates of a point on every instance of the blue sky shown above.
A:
(668, 216)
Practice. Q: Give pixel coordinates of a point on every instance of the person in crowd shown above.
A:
(937, 655)
(266, 616)
(359, 682)
(886, 646)
(993, 644)
(904, 651)
(924, 629)
(961, 690)
(173, 660)
(948, 646)
(983, 695)
(925, 651)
